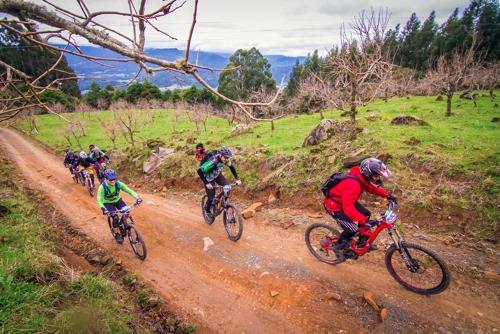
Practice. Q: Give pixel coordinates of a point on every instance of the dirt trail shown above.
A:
(227, 288)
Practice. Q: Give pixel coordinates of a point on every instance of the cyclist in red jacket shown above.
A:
(342, 200)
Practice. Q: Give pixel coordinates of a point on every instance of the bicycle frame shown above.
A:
(125, 211)
(384, 224)
(222, 196)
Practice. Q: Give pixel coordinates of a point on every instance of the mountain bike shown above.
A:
(413, 266)
(100, 167)
(74, 174)
(128, 229)
(82, 176)
(233, 221)
(87, 179)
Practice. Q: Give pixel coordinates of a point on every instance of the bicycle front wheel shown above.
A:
(90, 187)
(137, 242)
(233, 222)
(417, 268)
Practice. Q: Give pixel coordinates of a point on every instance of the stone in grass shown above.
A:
(413, 141)
(4, 210)
(408, 120)
(495, 120)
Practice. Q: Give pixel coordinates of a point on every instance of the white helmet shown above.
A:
(83, 155)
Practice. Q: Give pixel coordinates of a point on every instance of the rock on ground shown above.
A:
(326, 129)
(408, 120)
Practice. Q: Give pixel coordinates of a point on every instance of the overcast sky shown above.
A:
(291, 27)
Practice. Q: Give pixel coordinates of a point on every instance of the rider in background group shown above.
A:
(69, 159)
(200, 152)
(85, 162)
(100, 159)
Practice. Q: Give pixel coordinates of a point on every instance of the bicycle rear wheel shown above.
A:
(320, 239)
(417, 268)
(136, 241)
(233, 222)
(208, 220)
(75, 177)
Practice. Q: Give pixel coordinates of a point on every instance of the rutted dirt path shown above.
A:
(227, 288)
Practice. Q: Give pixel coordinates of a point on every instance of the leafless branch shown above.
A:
(84, 25)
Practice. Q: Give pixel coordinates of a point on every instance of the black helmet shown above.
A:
(225, 152)
(199, 145)
(371, 167)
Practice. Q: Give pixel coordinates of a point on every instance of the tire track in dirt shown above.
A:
(227, 288)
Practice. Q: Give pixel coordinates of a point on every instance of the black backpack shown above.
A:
(335, 179)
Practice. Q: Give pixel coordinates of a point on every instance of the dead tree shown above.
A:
(450, 75)
(111, 128)
(129, 120)
(64, 24)
(199, 115)
(315, 93)
(272, 112)
(358, 71)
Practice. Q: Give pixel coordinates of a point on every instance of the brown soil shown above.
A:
(225, 289)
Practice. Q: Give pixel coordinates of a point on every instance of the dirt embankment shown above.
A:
(231, 287)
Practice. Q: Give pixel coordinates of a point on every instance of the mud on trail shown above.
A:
(227, 289)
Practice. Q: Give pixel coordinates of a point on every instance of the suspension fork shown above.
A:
(405, 255)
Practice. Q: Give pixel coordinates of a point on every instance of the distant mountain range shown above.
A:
(117, 73)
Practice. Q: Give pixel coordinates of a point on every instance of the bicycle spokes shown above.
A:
(418, 269)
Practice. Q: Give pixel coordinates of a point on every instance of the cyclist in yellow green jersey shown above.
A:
(110, 201)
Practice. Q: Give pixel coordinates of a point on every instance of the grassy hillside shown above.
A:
(449, 167)
(470, 130)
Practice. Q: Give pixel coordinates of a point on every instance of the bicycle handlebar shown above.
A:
(231, 184)
(123, 210)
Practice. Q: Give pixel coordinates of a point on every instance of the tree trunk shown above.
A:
(449, 96)
(353, 102)
(321, 114)
(233, 116)
(77, 140)
(272, 125)
(131, 135)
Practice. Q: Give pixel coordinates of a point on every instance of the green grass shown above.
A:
(37, 295)
(469, 130)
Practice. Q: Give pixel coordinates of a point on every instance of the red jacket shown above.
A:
(345, 194)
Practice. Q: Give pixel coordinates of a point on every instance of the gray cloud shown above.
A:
(279, 26)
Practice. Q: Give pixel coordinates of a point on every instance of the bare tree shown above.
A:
(315, 94)
(67, 23)
(199, 114)
(450, 75)
(130, 120)
(485, 77)
(30, 116)
(111, 128)
(272, 112)
(358, 71)
(73, 129)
